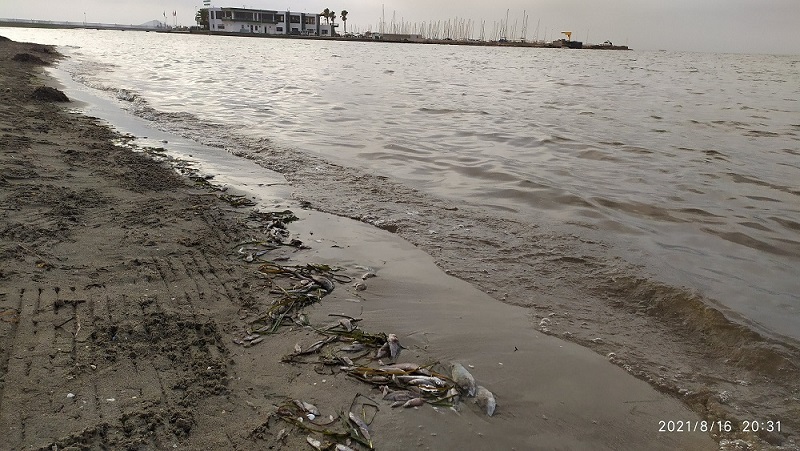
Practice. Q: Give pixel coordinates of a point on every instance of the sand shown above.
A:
(122, 292)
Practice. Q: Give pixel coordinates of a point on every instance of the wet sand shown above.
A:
(122, 292)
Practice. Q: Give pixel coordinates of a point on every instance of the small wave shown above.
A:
(756, 226)
(738, 178)
(599, 155)
(126, 95)
(761, 134)
(722, 333)
(699, 212)
(449, 111)
(406, 149)
(762, 198)
(787, 223)
(638, 209)
(753, 243)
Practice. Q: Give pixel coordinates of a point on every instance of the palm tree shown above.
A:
(326, 14)
(332, 15)
(201, 17)
(344, 19)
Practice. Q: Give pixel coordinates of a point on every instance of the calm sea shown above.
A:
(685, 165)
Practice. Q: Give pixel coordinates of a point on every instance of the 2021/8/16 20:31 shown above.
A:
(719, 426)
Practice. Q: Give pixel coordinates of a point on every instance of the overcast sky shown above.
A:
(741, 26)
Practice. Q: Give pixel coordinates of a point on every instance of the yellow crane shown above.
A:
(569, 35)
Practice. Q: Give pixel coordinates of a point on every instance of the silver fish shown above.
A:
(383, 351)
(346, 324)
(310, 408)
(400, 395)
(394, 346)
(316, 444)
(325, 283)
(392, 370)
(453, 396)
(407, 367)
(416, 402)
(485, 400)
(432, 381)
(463, 379)
(340, 447)
(362, 427)
(355, 347)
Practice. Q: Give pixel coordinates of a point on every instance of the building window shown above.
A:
(220, 27)
(294, 19)
(279, 29)
(278, 17)
(310, 20)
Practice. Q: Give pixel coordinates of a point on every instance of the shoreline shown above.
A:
(221, 256)
(118, 27)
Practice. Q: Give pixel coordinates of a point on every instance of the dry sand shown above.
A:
(121, 292)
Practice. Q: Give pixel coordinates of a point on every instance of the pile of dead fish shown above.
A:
(340, 432)
(272, 225)
(359, 354)
(308, 284)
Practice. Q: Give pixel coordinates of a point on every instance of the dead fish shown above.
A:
(485, 400)
(416, 402)
(317, 346)
(346, 324)
(383, 351)
(432, 381)
(355, 347)
(368, 275)
(463, 379)
(340, 447)
(325, 283)
(408, 367)
(362, 427)
(360, 286)
(399, 395)
(307, 407)
(394, 346)
(297, 348)
(316, 444)
(453, 396)
(392, 370)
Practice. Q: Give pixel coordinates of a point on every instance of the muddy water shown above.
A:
(684, 165)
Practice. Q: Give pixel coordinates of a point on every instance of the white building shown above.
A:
(262, 21)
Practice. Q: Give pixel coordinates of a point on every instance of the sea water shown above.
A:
(684, 165)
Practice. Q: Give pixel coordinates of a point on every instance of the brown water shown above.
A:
(685, 165)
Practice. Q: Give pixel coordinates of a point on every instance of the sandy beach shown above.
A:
(128, 301)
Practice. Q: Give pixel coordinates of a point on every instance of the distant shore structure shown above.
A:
(289, 24)
(265, 21)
